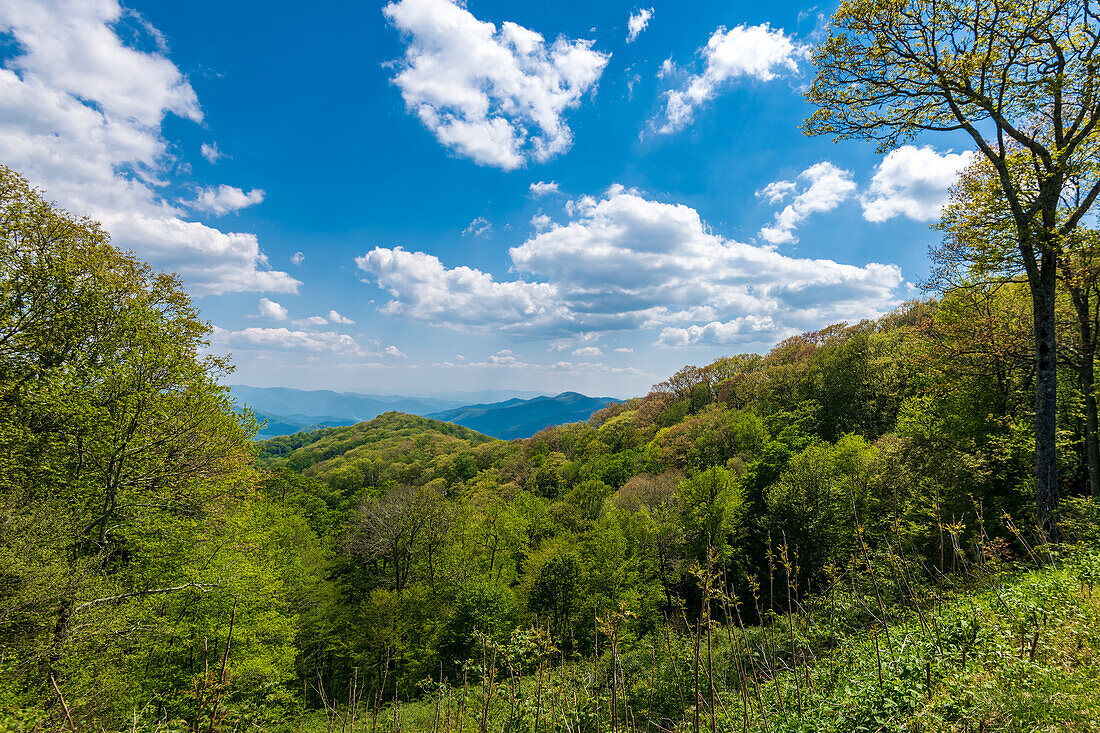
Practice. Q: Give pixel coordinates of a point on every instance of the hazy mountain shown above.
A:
(290, 424)
(518, 418)
(289, 411)
(324, 402)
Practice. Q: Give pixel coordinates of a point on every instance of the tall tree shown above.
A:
(115, 437)
(1022, 80)
(979, 249)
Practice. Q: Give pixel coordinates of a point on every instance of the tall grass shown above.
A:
(890, 644)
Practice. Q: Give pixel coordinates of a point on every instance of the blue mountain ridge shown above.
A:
(519, 418)
(287, 410)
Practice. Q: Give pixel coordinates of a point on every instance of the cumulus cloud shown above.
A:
(542, 188)
(478, 227)
(423, 289)
(81, 114)
(505, 361)
(225, 199)
(637, 23)
(311, 321)
(912, 182)
(297, 258)
(588, 351)
(335, 317)
(271, 310)
(495, 95)
(624, 350)
(541, 221)
(284, 339)
(211, 153)
(741, 328)
(623, 261)
(758, 52)
(777, 191)
(824, 187)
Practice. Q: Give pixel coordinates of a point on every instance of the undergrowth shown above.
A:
(1000, 648)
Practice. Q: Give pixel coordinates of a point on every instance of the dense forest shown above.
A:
(161, 571)
(883, 525)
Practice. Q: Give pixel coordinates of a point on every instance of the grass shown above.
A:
(1002, 648)
(994, 648)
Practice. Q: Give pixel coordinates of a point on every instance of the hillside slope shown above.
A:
(393, 439)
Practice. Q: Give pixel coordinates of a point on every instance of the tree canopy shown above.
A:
(1021, 79)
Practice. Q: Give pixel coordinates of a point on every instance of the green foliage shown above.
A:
(133, 532)
(755, 513)
(817, 499)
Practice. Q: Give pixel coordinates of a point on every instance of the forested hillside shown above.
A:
(162, 572)
(825, 458)
(883, 524)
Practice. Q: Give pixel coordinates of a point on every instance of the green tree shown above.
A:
(1022, 80)
(122, 457)
(712, 506)
(979, 248)
(813, 503)
(554, 592)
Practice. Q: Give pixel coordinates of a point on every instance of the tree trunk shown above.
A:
(1092, 442)
(1087, 375)
(1046, 402)
(60, 637)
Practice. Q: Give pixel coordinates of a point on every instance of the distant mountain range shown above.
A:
(325, 404)
(517, 418)
(276, 425)
(289, 411)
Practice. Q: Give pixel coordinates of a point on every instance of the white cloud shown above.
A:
(588, 351)
(423, 289)
(297, 258)
(626, 262)
(637, 23)
(624, 350)
(741, 328)
(825, 187)
(541, 221)
(912, 182)
(311, 321)
(271, 310)
(507, 363)
(394, 351)
(479, 227)
(225, 199)
(284, 339)
(211, 153)
(777, 191)
(81, 115)
(542, 188)
(335, 317)
(497, 96)
(759, 52)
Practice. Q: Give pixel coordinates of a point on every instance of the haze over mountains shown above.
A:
(517, 418)
(501, 414)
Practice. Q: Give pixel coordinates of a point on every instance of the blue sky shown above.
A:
(422, 195)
